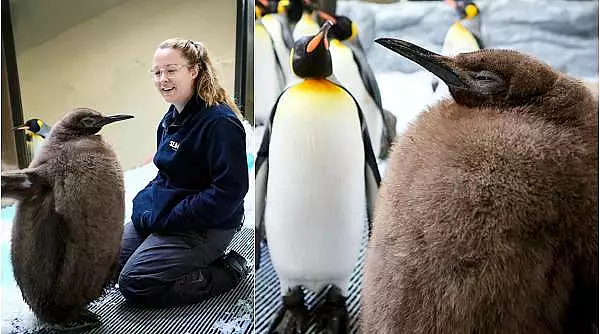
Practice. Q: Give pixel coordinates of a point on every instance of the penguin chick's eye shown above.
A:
(488, 82)
(486, 76)
(88, 122)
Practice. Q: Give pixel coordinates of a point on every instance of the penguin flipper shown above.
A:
(370, 83)
(286, 33)
(372, 189)
(260, 184)
(366, 72)
(389, 135)
(479, 41)
(21, 184)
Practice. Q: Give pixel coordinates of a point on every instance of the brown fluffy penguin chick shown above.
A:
(69, 220)
(487, 220)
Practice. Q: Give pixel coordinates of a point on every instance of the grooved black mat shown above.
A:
(268, 297)
(231, 313)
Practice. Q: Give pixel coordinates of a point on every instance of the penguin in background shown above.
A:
(276, 21)
(351, 68)
(487, 221)
(307, 24)
(271, 78)
(36, 131)
(68, 226)
(464, 35)
(314, 189)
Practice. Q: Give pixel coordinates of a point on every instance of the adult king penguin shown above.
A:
(271, 72)
(36, 131)
(487, 221)
(352, 70)
(314, 188)
(464, 35)
(69, 220)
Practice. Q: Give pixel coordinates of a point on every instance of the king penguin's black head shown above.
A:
(342, 29)
(264, 7)
(85, 122)
(311, 57)
(34, 127)
(488, 77)
(297, 7)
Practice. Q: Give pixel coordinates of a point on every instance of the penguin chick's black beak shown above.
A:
(320, 36)
(433, 62)
(110, 119)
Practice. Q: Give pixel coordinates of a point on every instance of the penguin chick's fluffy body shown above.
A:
(487, 220)
(69, 220)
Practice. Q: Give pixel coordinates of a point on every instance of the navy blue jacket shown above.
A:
(202, 172)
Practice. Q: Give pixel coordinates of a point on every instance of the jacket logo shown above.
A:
(174, 145)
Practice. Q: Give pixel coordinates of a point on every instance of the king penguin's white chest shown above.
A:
(315, 203)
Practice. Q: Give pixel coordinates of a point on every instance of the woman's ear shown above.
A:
(195, 70)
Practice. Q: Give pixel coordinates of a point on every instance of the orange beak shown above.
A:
(314, 42)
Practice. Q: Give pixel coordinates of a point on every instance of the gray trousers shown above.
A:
(174, 269)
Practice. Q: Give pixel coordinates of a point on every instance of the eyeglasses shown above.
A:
(170, 71)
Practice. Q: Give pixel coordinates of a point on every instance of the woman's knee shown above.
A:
(140, 289)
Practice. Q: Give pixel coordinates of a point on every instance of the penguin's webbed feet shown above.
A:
(293, 317)
(85, 321)
(332, 315)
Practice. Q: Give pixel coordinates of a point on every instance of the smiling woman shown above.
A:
(174, 247)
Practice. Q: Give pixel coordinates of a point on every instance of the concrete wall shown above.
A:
(103, 63)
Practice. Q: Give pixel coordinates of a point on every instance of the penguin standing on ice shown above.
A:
(314, 188)
(464, 35)
(271, 72)
(36, 131)
(352, 70)
(68, 225)
(487, 221)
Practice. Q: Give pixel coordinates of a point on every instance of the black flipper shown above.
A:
(286, 33)
(370, 83)
(478, 40)
(366, 73)
(21, 184)
(260, 184)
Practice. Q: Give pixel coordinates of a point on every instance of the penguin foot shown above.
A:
(86, 320)
(293, 317)
(332, 315)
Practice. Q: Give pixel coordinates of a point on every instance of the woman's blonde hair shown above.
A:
(208, 84)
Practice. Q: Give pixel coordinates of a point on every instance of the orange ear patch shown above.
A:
(314, 42)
